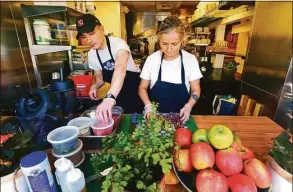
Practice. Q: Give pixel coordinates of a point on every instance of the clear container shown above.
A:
(58, 33)
(76, 157)
(71, 35)
(64, 139)
(83, 124)
(42, 31)
(59, 42)
(102, 129)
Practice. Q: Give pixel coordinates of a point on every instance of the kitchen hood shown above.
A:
(144, 21)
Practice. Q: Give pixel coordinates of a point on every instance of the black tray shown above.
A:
(188, 180)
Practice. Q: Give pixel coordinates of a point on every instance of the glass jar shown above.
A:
(42, 31)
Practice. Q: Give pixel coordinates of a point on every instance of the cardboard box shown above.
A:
(242, 106)
(250, 107)
(258, 110)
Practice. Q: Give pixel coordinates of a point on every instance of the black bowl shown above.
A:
(188, 180)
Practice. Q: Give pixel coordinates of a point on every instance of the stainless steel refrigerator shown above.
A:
(268, 60)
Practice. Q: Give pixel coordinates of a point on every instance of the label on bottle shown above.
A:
(39, 181)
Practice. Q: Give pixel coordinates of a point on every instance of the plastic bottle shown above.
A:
(37, 171)
(62, 166)
(75, 180)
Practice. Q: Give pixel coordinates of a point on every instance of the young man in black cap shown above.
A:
(111, 59)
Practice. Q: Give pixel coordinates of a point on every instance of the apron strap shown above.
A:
(182, 68)
(109, 49)
(160, 71)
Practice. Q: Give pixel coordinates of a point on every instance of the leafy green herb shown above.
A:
(138, 159)
(282, 151)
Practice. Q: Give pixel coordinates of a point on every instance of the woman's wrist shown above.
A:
(188, 106)
(148, 105)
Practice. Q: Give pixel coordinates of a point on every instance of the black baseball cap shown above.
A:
(86, 24)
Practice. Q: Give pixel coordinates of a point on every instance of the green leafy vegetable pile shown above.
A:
(139, 159)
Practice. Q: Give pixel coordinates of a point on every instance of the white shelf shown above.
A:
(201, 44)
(203, 33)
(197, 44)
(43, 49)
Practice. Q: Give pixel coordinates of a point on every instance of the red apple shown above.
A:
(211, 181)
(259, 172)
(201, 155)
(229, 162)
(243, 152)
(241, 183)
(181, 160)
(246, 153)
(183, 137)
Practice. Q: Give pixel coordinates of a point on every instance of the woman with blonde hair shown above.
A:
(172, 74)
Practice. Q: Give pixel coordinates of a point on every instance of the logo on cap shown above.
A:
(80, 23)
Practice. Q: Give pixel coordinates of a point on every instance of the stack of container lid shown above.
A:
(66, 144)
(58, 34)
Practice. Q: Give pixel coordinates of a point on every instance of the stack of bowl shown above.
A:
(83, 124)
(66, 144)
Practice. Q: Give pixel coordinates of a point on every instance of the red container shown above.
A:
(83, 84)
(102, 129)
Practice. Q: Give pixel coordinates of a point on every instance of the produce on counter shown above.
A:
(170, 178)
(243, 152)
(181, 160)
(223, 162)
(229, 162)
(220, 136)
(201, 156)
(241, 183)
(139, 158)
(211, 180)
(183, 137)
(200, 135)
(173, 118)
(259, 173)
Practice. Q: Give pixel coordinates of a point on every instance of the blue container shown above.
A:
(64, 139)
(36, 168)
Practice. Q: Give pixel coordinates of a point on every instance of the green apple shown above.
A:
(200, 135)
(220, 136)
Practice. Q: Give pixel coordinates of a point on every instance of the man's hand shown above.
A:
(185, 113)
(104, 110)
(93, 93)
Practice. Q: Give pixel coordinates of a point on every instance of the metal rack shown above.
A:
(60, 13)
(199, 45)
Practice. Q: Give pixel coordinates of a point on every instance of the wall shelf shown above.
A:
(43, 49)
(64, 14)
(53, 12)
(229, 54)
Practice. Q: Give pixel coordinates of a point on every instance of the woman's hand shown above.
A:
(93, 93)
(185, 113)
(104, 110)
(147, 110)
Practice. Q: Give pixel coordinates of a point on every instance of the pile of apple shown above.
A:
(221, 161)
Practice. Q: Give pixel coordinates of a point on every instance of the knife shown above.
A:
(133, 122)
